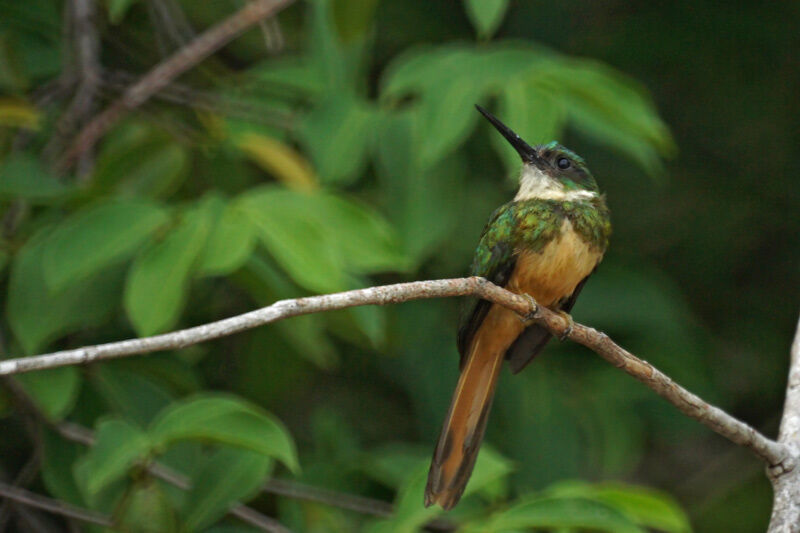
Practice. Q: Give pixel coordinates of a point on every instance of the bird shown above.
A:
(543, 245)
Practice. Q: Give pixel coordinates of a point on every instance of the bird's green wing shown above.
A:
(494, 260)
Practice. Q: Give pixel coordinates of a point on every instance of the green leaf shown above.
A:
(424, 67)
(486, 15)
(353, 18)
(23, 176)
(97, 237)
(118, 445)
(321, 239)
(294, 238)
(141, 161)
(533, 113)
(129, 394)
(146, 509)
(117, 9)
(446, 118)
(156, 288)
(610, 107)
(227, 477)
(54, 391)
(410, 514)
(36, 315)
(58, 457)
(336, 134)
(422, 203)
(558, 513)
(647, 507)
(363, 239)
(225, 420)
(230, 241)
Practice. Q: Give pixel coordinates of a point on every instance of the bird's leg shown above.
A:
(570, 323)
(528, 318)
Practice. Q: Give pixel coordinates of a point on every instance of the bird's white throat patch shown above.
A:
(533, 183)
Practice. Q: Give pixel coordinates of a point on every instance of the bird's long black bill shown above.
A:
(525, 150)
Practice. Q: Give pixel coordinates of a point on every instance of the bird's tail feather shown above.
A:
(465, 424)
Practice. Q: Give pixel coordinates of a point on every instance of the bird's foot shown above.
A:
(527, 319)
(570, 323)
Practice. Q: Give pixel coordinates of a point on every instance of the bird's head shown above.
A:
(549, 171)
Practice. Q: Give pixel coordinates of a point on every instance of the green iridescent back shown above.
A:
(530, 225)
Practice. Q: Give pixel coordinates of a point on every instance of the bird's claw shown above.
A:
(527, 319)
(570, 323)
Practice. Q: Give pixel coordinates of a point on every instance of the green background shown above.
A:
(348, 155)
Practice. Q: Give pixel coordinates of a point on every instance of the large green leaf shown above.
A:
(156, 288)
(54, 391)
(421, 202)
(535, 114)
(23, 176)
(230, 243)
(609, 106)
(96, 238)
(321, 239)
(554, 513)
(647, 507)
(337, 134)
(140, 161)
(486, 15)
(295, 238)
(363, 239)
(37, 315)
(118, 446)
(225, 420)
(229, 476)
(129, 394)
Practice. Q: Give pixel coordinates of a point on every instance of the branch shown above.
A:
(786, 482)
(50, 505)
(775, 454)
(162, 74)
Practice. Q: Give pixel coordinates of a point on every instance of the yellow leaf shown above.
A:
(18, 113)
(279, 159)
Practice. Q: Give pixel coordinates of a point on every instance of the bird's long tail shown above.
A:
(457, 449)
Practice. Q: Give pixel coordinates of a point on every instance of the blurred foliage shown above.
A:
(352, 157)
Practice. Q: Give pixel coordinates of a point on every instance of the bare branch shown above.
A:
(775, 454)
(162, 74)
(786, 481)
(87, 52)
(53, 506)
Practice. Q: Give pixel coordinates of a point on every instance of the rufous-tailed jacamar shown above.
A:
(544, 243)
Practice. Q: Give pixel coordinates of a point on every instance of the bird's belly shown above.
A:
(553, 272)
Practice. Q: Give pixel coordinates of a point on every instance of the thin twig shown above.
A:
(773, 453)
(87, 53)
(198, 99)
(350, 502)
(163, 73)
(50, 505)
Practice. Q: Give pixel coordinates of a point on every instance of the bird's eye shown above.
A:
(563, 163)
